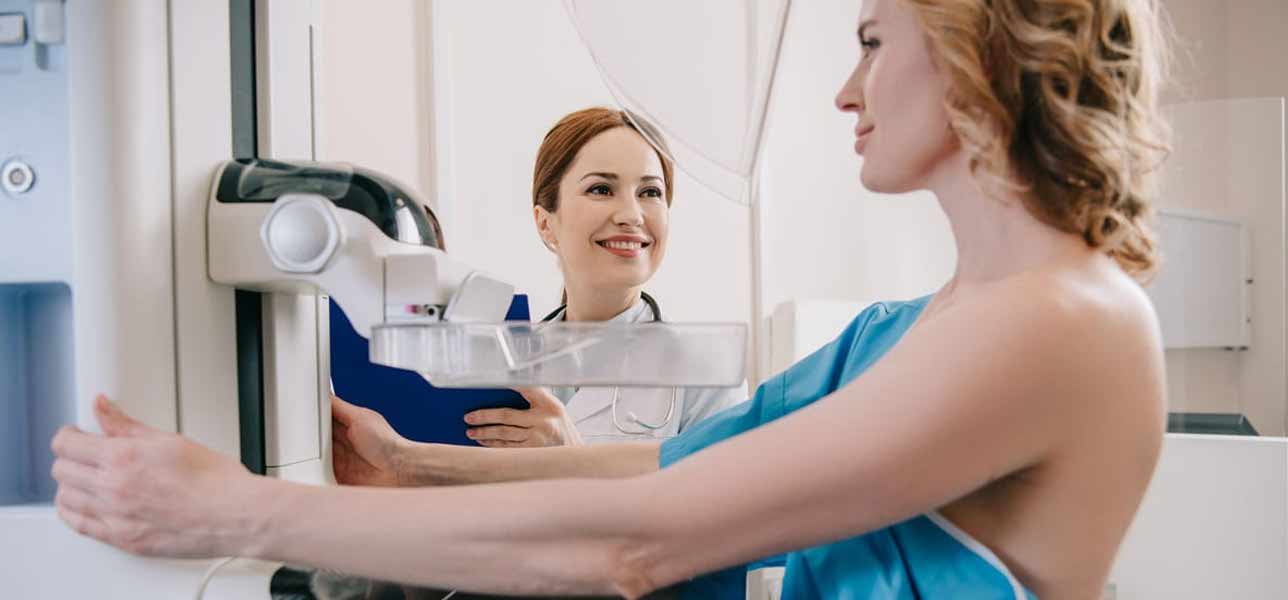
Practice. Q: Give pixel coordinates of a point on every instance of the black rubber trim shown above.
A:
(249, 305)
(376, 197)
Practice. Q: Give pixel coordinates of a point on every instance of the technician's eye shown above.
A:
(651, 193)
(600, 190)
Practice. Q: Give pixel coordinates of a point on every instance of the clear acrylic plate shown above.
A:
(566, 354)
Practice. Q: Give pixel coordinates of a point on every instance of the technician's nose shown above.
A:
(629, 214)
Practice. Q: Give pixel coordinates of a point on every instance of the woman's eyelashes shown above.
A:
(604, 189)
(868, 45)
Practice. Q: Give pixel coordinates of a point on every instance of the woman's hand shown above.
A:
(545, 423)
(365, 449)
(151, 492)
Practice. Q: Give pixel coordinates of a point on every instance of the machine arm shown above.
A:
(350, 233)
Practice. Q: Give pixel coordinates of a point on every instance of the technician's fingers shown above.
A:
(343, 412)
(504, 433)
(499, 416)
(500, 444)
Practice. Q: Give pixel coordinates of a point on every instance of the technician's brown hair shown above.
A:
(562, 143)
(1059, 99)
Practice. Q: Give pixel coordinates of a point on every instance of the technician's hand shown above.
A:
(150, 492)
(364, 448)
(546, 423)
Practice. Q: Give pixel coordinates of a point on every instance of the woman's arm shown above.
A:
(1011, 381)
(967, 397)
(441, 464)
(973, 394)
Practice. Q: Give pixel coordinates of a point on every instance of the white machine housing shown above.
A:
(302, 242)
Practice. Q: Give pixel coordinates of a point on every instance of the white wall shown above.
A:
(371, 108)
(1229, 161)
(1201, 48)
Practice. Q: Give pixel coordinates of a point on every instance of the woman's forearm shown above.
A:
(564, 537)
(440, 464)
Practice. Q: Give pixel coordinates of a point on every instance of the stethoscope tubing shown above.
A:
(558, 313)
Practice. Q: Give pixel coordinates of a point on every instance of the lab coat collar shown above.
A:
(587, 402)
(636, 313)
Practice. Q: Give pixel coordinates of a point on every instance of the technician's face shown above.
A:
(611, 225)
(898, 95)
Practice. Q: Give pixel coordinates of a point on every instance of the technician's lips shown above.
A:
(626, 246)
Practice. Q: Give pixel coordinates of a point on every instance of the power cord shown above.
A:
(210, 574)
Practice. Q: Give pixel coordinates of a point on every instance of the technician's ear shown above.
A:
(545, 227)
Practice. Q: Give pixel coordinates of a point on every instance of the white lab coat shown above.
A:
(591, 408)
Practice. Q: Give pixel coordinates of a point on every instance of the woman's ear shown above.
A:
(545, 228)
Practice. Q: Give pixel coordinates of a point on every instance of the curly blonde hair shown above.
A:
(1059, 99)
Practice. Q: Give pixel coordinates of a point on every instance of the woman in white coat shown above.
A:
(601, 200)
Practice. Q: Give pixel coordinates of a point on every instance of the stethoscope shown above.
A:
(558, 313)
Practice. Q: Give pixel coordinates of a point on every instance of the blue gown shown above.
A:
(923, 557)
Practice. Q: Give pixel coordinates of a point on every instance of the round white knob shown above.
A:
(301, 233)
(17, 177)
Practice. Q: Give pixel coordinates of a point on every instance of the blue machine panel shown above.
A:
(35, 225)
(37, 375)
(36, 386)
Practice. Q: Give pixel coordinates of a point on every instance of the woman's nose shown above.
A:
(629, 214)
(850, 98)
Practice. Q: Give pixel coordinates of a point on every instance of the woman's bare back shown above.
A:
(1058, 524)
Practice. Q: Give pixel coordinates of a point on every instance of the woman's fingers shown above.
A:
(503, 433)
(69, 473)
(114, 421)
(81, 521)
(75, 500)
(75, 445)
(499, 416)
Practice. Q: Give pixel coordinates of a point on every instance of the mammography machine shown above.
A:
(167, 238)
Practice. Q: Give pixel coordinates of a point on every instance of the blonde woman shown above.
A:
(992, 440)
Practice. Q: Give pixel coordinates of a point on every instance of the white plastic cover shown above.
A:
(569, 354)
(696, 75)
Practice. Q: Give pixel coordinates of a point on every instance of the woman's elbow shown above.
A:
(656, 547)
(639, 568)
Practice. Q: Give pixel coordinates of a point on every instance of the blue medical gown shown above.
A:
(923, 557)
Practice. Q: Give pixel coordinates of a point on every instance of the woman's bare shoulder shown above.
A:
(1095, 320)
